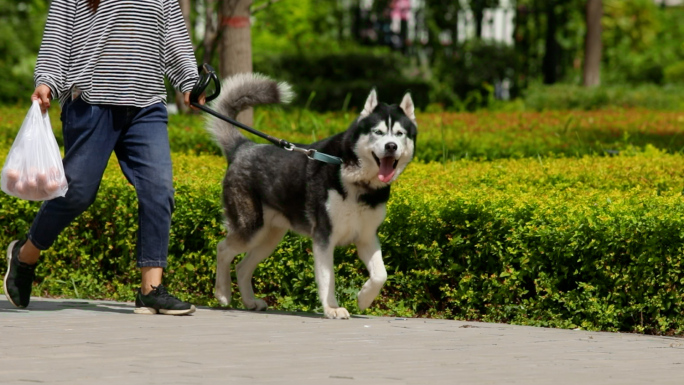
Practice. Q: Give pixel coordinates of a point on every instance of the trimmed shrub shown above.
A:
(575, 97)
(353, 94)
(331, 82)
(444, 135)
(593, 242)
(675, 73)
(471, 72)
(483, 135)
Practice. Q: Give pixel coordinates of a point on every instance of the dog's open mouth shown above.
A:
(387, 166)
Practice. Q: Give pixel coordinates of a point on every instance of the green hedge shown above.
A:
(675, 73)
(593, 242)
(331, 96)
(443, 135)
(576, 97)
(332, 81)
(483, 135)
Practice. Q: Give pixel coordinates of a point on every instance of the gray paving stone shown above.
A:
(99, 342)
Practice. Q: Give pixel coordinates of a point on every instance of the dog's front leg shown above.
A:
(325, 280)
(371, 255)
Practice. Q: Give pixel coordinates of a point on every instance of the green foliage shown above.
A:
(548, 231)
(640, 41)
(465, 80)
(532, 32)
(300, 27)
(330, 96)
(21, 30)
(574, 219)
(331, 81)
(632, 23)
(447, 136)
(574, 97)
(317, 46)
(591, 242)
(11, 118)
(675, 73)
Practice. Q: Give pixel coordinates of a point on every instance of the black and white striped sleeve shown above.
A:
(180, 64)
(53, 58)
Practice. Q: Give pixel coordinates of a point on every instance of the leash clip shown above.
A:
(312, 154)
(309, 152)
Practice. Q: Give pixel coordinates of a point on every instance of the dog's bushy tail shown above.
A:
(238, 93)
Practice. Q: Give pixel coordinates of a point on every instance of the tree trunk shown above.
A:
(210, 30)
(236, 44)
(185, 9)
(478, 15)
(592, 44)
(552, 51)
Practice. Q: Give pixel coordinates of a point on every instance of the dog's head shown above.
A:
(384, 139)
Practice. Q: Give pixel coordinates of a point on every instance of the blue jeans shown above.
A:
(139, 138)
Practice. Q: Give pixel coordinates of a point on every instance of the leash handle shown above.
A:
(207, 75)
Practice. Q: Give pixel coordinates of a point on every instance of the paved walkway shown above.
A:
(97, 342)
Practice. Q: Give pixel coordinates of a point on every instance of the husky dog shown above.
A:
(268, 190)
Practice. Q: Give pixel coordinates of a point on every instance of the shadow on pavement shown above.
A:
(51, 305)
(57, 305)
(279, 312)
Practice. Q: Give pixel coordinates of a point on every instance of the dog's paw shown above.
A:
(336, 313)
(223, 299)
(256, 304)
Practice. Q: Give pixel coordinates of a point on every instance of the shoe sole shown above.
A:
(151, 310)
(4, 281)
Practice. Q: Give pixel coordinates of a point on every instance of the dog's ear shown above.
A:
(371, 103)
(408, 107)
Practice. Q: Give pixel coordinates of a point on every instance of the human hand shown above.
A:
(43, 95)
(186, 99)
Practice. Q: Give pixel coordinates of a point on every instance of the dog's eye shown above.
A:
(399, 134)
(378, 132)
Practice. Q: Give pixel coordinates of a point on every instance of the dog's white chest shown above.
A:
(351, 220)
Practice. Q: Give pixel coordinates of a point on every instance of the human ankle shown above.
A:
(29, 254)
(151, 277)
(145, 290)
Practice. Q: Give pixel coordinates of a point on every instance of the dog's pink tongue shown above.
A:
(386, 169)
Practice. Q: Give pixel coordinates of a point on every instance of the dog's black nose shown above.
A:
(390, 147)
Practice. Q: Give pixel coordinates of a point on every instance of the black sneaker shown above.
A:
(160, 301)
(19, 278)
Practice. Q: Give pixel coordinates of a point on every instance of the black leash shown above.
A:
(207, 76)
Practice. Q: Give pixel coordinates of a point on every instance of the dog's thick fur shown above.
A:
(268, 190)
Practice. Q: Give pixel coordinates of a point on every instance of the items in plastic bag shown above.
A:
(33, 169)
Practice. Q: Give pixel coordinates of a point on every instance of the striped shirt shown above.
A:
(118, 55)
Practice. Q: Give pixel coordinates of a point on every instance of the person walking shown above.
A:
(105, 60)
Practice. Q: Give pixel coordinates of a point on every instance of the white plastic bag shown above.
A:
(33, 169)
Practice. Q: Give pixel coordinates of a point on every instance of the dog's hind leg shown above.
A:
(371, 255)
(226, 251)
(264, 245)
